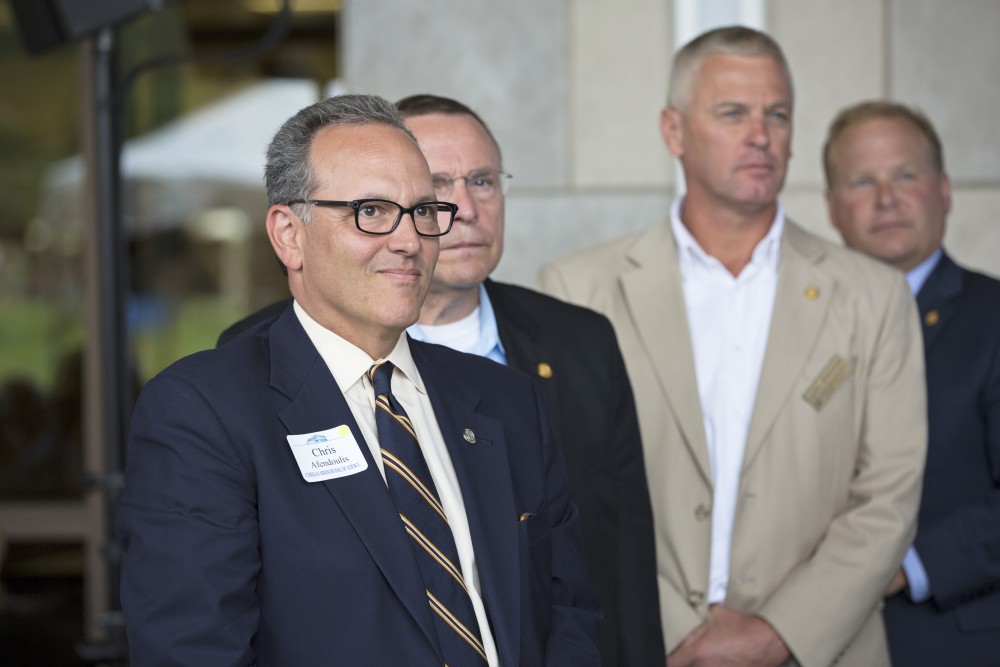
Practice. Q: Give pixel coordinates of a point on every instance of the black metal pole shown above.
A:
(114, 365)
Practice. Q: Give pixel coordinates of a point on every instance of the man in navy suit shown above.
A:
(570, 351)
(256, 523)
(889, 195)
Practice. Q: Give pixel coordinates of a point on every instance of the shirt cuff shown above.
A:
(918, 585)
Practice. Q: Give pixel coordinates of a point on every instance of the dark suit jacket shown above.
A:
(958, 533)
(231, 558)
(594, 419)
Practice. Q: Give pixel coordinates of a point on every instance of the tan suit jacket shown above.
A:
(829, 489)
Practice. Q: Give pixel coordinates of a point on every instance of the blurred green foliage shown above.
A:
(36, 338)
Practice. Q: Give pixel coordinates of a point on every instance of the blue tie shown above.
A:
(423, 516)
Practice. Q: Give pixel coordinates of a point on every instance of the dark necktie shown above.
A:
(423, 516)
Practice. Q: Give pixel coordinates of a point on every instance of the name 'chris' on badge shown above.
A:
(328, 454)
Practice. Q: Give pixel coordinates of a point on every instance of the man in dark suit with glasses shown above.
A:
(572, 354)
(325, 490)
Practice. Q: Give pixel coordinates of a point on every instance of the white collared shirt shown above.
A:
(349, 365)
(729, 319)
(918, 275)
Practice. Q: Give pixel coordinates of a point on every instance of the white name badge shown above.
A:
(328, 454)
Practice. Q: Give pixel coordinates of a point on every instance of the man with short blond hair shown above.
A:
(889, 196)
(769, 368)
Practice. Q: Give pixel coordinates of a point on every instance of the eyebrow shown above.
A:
(477, 170)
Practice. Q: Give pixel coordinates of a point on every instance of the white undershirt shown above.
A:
(729, 319)
(349, 365)
(462, 335)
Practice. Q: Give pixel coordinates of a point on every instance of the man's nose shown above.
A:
(759, 132)
(405, 238)
(468, 211)
(886, 194)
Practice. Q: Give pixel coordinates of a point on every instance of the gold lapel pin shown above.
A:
(812, 292)
(931, 318)
(544, 370)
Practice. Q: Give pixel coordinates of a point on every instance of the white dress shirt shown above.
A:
(729, 319)
(349, 365)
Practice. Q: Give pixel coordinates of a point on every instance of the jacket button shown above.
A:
(696, 598)
(701, 512)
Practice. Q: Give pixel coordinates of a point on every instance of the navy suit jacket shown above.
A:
(231, 558)
(958, 529)
(594, 419)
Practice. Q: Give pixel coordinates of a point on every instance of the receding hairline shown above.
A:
(864, 112)
(424, 104)
(729, 40)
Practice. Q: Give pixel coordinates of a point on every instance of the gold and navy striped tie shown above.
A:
(425, 522)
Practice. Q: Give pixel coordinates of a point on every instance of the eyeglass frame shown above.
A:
(356, 204)
(503, 179)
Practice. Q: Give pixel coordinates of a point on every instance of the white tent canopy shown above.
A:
(211, 158)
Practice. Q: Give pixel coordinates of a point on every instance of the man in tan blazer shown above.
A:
(779, 383)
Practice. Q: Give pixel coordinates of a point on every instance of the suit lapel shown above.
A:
(298, 372)
(655, 301)
(484, 476)
(801, 301)
(935, 299)
(519, 335)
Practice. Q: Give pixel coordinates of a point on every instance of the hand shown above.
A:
(898, 583)
(730, 639)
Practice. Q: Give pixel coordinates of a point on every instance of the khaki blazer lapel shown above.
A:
(655, 300)
(801, 302)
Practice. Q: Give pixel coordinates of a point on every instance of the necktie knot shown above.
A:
(381, 378)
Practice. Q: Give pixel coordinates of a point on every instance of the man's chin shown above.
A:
(446, 278)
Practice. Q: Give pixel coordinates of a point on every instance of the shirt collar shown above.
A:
(348, 362)
(767, 251)
(917, 276)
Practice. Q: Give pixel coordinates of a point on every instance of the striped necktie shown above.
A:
(425, 522)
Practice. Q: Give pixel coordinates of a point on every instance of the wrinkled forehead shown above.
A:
(881, 141)
(757, 76)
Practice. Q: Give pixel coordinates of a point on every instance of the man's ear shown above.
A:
(284, 229)
(671, 131)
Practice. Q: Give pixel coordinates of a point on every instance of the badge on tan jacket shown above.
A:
(826, 383)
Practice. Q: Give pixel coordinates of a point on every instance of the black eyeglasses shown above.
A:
(381, 216)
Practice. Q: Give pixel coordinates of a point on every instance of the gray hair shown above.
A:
(288, 174)
(730, 40)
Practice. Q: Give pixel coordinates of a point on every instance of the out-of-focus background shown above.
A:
(571, 88)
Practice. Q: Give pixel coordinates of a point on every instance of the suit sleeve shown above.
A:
(844, 579)
(638, 600)
(187, 525)
(961, 553)
(575, 616)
